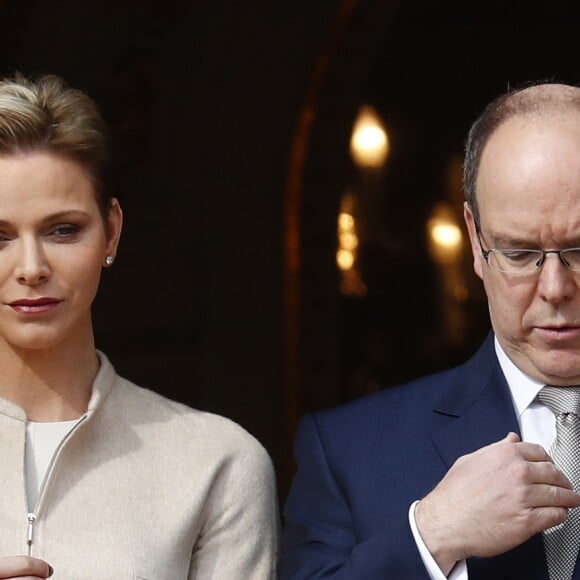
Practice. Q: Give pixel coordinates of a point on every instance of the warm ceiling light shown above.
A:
(369, 142)
(348, 240)
(345, 259)
(448, 235)
(345, 221)
(445, 236)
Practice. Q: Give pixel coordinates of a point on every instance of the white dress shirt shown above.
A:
(537, 425)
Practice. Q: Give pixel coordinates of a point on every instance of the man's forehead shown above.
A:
(533, 122)
(523, 142)
(531, 227)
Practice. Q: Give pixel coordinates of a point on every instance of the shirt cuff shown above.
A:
(459, 571)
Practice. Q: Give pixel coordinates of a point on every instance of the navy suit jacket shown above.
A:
(361, 466)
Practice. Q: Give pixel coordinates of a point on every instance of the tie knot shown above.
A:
(561, 399)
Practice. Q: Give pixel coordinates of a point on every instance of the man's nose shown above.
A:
(556, 282)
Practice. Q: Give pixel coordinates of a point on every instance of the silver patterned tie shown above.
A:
(563, 541)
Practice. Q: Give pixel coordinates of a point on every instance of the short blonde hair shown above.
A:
(47, 115)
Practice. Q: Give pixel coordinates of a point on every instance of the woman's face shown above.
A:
(53, 245)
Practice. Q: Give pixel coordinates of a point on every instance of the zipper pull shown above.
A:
(31, 520)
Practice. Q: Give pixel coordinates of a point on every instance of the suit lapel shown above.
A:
(479, 407)
(481, 411)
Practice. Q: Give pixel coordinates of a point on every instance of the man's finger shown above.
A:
(533, 452)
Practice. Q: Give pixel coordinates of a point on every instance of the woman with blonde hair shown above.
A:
(101, 479)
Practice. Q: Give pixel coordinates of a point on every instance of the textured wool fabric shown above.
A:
(562, 542)
(143, 488)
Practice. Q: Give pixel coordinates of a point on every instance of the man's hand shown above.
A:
(493, 500)
(24, 567)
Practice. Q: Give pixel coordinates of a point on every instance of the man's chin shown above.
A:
(547, 364)
(561, 369)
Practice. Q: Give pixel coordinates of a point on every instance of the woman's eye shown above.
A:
(64, 231)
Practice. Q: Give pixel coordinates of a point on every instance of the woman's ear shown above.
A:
(113, 230)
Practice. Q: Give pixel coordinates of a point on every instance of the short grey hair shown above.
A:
(533, 100)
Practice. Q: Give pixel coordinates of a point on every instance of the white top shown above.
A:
(537, 425)
(42, 441)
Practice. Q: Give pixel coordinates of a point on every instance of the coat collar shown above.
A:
(102, 385)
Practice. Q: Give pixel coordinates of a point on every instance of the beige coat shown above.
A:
(143, 487)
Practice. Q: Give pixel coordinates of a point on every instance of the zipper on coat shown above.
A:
(30, 531)
(33, 516)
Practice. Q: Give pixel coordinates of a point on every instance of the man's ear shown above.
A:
(478, 260)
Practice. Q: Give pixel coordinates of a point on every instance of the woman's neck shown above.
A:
(49, 385)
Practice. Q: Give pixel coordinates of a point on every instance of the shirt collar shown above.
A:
(522, 388)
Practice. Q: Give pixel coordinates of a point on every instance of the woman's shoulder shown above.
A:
(160, 417)
(201, 455)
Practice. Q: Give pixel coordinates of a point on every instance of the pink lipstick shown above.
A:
(35, 306)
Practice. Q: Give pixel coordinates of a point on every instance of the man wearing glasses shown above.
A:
(470, 474)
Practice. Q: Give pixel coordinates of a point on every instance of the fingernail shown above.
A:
(50, 571)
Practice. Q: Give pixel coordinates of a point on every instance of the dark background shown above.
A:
(231, 123)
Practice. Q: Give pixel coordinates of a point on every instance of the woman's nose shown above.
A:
(32, 267)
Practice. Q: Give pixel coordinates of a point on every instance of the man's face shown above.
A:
(528, 192)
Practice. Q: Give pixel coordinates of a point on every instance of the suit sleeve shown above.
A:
(319, 538)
